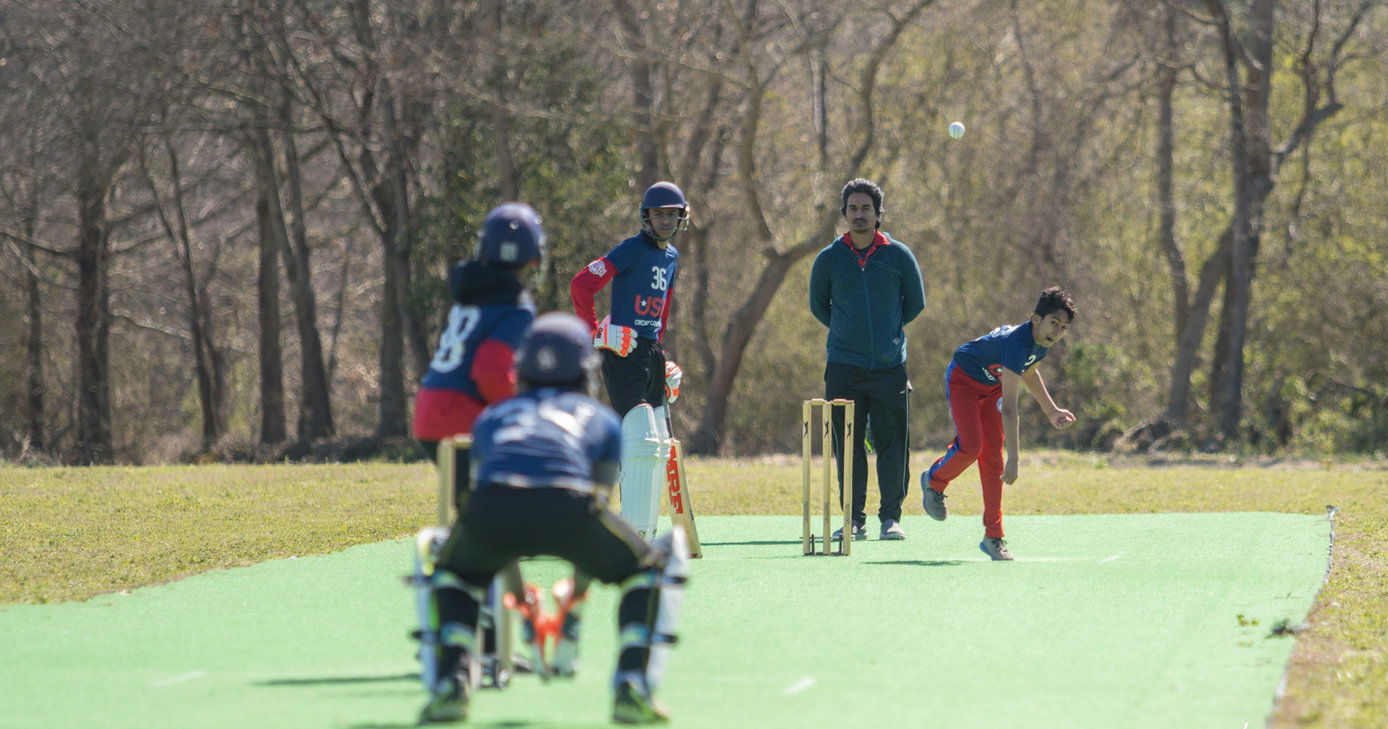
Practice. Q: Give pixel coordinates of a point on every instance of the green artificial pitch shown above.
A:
(1135, 621)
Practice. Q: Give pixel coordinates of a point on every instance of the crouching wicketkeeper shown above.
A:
(544, 463)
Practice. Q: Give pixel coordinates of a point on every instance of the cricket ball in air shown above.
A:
(956, 130)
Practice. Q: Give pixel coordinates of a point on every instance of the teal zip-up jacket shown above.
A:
(866, 300)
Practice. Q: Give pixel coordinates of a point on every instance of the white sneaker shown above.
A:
(859, 532)
(996, 549)
(933, 501)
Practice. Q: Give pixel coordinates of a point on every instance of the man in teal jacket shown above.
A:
(866, 287)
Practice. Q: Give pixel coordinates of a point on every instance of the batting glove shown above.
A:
(673, 375)
(615, 337)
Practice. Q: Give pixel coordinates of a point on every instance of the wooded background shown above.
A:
(225, 224)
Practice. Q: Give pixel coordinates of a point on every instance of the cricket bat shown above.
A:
(681, 505)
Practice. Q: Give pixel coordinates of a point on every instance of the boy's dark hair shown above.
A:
(865, 186)
(1054, 298)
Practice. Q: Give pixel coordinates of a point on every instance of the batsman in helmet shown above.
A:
(640, 381)
(473, 365)
(544, 463)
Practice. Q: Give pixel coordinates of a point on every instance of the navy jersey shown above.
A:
(545, 437)
(644, 280)
(1010, 346)
(491, 314)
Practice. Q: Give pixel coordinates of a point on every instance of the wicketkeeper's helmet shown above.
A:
(557, 350)
(511, 236)
(664, 195)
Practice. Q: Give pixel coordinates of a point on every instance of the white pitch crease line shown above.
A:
(799, 686)
(1110, 559)
(182, 678)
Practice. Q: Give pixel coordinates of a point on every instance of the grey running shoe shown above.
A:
(566, 648)
(933, 501)
(996, 549)
(447, 700)
(892, 531)
(635, 705)
(859, 533)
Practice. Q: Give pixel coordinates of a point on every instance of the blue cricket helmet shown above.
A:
(511, 236)
(664, 195)
(557, 350)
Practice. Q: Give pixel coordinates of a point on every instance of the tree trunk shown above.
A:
(506, 168)
(315, 407)
(392, 200)
(178, 233)
(1251, 160)
(1192, 334)
(738, 334)
(33, 344)
(270, 220)
(93, 325)
(1166, 187)
(642, 94)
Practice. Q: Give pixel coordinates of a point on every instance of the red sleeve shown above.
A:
(665, 313)
(494, 370)
(585, 285)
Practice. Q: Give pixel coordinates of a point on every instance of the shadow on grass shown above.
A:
(920, 562)
(759, 543)
(338, 680)
(508, 724)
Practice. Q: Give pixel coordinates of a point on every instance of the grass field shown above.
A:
(70, 534)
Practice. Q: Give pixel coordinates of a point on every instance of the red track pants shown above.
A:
(979, 437)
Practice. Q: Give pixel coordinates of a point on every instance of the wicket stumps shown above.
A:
(826, 410)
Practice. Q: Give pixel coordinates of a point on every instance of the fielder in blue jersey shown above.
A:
(544, 463)
(640, 381)
(982, 384)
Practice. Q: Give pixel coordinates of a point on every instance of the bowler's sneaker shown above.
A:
(996, 549)
(447, 700)
(892, 531)
(566, 648)
(932, 500)
(635, 705)
(859, 532)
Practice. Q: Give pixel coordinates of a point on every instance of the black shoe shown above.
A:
(635, 705)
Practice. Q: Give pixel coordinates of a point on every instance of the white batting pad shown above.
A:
(643, 468)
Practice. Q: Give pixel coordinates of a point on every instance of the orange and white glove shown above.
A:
(615, 337)
(673, 375)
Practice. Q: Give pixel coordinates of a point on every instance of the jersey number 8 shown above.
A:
(453, 342)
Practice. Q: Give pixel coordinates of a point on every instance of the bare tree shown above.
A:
(1247, 78)
(740, 329)
(79, 63)
(209, 364)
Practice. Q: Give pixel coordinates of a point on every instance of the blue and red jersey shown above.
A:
(1009, 346)
(643, 283)
(474, 364)
(545, 438)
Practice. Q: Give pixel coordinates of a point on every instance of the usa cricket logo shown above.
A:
(598, 268)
